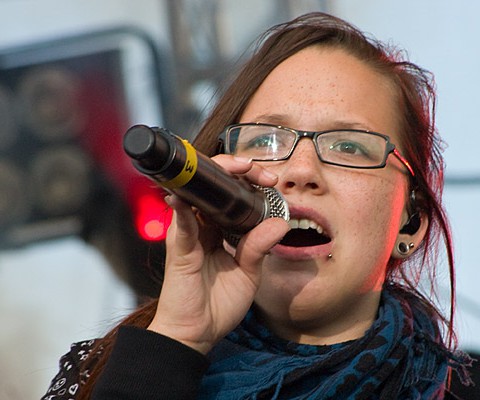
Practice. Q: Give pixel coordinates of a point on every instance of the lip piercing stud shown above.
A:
(330, 256)
(404, 248)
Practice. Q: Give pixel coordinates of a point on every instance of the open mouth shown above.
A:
(305, 233)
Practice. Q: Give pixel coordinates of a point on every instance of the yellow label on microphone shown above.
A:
(189, 168)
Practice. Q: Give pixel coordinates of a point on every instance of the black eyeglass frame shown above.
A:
(390, 148)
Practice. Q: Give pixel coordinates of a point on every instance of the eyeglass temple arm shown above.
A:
(404, 161)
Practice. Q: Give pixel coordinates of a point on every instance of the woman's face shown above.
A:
(306, 295)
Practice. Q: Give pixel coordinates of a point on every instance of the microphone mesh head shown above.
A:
(275, 206)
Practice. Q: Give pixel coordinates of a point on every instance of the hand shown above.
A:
(206, 290)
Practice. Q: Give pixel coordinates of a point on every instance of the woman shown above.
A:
(327, 306)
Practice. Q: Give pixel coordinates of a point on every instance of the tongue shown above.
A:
(304, 238)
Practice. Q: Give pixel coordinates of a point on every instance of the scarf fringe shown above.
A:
(460, 361)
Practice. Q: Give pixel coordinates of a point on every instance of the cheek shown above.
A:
(375, 219)
(378, 204)
(394, 201)
(373, 233)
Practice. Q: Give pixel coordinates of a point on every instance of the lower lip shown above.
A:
(302, 253)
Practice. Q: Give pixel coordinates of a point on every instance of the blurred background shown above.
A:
(81, 233)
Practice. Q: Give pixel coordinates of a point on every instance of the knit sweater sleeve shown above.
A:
(146, 365)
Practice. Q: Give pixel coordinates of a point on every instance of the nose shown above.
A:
(303, 171)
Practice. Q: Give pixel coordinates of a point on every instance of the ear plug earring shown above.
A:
(404, 248)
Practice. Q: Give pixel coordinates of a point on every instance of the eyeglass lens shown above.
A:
(350, 148)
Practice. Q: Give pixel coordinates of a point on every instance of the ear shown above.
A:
(411, 235)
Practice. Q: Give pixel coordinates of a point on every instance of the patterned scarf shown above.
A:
(400, 357)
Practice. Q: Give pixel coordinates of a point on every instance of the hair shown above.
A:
(421, 145)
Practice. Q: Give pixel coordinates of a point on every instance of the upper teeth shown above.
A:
(304, 223)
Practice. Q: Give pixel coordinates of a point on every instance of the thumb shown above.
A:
(256, 244)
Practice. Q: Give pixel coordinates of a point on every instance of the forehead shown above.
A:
(323, 88)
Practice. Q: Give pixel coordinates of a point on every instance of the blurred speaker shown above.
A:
(64, 107)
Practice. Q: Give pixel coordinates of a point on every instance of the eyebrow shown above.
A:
(281, 119)
(275, 119)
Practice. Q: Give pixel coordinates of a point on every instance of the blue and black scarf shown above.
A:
(400, 357)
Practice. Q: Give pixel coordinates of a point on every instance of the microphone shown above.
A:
(235, 205)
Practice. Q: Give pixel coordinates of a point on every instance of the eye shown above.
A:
(266, 140)
(350, 147)
(271, 141)
(263, 142)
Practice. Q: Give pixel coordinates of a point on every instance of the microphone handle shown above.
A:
(231, 202)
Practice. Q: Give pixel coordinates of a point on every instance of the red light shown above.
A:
(153, 217)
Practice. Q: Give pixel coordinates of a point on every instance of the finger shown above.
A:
(235, 165)
(182, 234)
(256, 244)
(254, 172)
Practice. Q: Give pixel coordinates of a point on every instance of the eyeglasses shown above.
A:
(351, 148)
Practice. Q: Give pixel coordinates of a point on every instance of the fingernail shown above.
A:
(242, 160)
(269, 174)
(168, 199)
